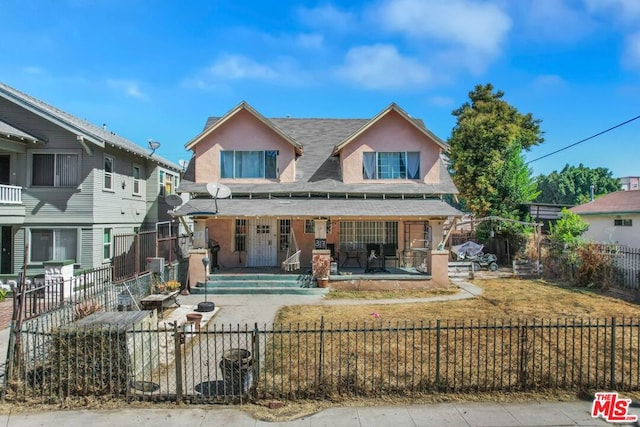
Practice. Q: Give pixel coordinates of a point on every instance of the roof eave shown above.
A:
(243, 106)
(392, 107)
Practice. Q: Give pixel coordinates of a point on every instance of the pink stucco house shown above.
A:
(347, 186)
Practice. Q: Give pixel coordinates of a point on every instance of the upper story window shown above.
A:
(168, 182)
(136, 180)
(55, 170)
(249, 164)
(391, 165)
(623, 222)
(109, 163)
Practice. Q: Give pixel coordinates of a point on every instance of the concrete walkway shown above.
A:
(436, 415)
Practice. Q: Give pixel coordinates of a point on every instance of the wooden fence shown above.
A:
(131, 252)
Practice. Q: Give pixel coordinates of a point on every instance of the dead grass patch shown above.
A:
(390, 294)
(501, 298)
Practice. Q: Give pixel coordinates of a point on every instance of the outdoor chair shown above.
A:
(390, 252)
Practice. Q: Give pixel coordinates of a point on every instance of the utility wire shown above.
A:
(583, 140)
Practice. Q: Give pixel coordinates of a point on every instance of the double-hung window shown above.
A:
(391, 165)
(249, 164)
(136, 180)
(168, 183)
(109, 163)
(53, 244)
(55, 170)
(106, 243)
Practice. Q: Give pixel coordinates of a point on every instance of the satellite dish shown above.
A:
(218, 191)
(173, 200)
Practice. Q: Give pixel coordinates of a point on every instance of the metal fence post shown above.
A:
(438, 354)
(255, 348)
(321, 358)
(178, 356)
(612, 360)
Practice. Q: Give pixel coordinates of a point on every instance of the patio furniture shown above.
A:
(375, 258)
(390, 252)
(160, 301)
(347, 255)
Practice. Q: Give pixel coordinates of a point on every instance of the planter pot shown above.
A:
(323, 282)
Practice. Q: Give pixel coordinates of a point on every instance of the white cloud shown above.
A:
(240, 67)
(326, 16)
(548, 81)
(624, 10)
(442, 101)
(478, 27)
(310, 41)
(33, 70)
(631, 54)
(128, 87)
(382, 67)
(555, 20)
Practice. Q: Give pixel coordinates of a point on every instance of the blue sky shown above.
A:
(158, 68)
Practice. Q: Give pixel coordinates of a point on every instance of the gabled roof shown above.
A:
(393, 107)
(87, 131)
(619, 202)
(212, 126)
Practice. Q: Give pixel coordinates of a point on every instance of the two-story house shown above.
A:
(68, 186)
(366, 182)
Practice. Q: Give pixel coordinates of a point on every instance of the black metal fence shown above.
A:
(158, 361)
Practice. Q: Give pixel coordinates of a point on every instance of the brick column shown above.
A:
(438, 262)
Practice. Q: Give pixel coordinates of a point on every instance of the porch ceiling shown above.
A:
(375, 208)
(14, 134)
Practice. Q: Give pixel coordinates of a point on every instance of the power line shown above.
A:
(583, 140)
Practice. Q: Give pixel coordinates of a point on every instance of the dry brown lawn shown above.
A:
(391, 294)
(501, 299)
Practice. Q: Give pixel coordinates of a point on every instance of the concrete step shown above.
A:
(270, 290)
(258, 283)
(257, 277)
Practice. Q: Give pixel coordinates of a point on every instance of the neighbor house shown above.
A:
(613, 218)
(68, 186)
(367, 184)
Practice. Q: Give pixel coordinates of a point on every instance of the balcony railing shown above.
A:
(10, 195)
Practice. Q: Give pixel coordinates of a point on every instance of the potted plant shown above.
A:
(322, 274)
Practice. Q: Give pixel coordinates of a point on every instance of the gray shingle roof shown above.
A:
(373, 208)
(318, 170)
(85, 128)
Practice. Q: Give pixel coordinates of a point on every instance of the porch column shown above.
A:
(438, 264)
(199, 230)
(437, 233)
(197, 271)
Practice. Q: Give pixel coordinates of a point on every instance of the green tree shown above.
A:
(572, 185)
(568, 228)
(486, 153)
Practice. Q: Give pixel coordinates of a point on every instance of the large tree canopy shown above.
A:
(486, 153)
(572, 185)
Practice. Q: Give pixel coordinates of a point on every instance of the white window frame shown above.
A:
(55, 153)
(162, 181)
(264, 164)
(136, 181)
(111, 175)
(108, 244)
(76, 258)
(377, 161)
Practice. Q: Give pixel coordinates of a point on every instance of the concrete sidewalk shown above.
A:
(444, 414)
